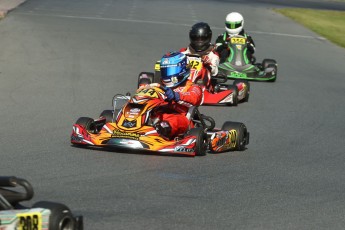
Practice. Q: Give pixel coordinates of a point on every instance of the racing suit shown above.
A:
(173, 120)
(210, 60)
(223, 50)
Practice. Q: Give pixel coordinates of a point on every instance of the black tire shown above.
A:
(247, 92)
(201, 140)
(267, 62)
(60, 218)
(145, 78)
(235, 94)
(86, 122)
(275, 71)
(242, 138)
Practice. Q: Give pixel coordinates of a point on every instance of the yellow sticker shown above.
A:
(195, 64)
(157, 66)
(32, 220)
(147, 92)
(240, 41)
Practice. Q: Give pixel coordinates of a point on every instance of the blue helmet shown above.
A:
(174, 69)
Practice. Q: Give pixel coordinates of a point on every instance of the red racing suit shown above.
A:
(190, 95)
(210, 60)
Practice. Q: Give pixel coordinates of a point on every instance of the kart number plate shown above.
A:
(195, 63)
(32, 220)
(238, 41)
(148, 92)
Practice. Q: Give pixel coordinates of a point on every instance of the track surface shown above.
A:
(64, 59)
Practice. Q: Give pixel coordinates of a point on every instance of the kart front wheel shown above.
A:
(240, 135)
(234, 90)
(87, 123)
(272, 70)
(201, 140)
(246, 90)
(60, 218)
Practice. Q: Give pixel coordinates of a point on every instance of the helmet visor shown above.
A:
(198, 37)
(233, 25)
(170, 70)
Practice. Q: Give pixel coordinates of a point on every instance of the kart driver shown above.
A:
(179, 90)
(234, 26)
(200, 37)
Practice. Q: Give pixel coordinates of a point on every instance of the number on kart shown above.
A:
(29, 222)
(148, 92)
(240, 41)
(195, 64)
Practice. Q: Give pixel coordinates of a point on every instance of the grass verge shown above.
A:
(328, 23)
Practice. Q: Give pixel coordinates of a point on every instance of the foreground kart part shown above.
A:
(216, 91)
(237, 65)
(41, 215)
(132, 127)
(236, 136)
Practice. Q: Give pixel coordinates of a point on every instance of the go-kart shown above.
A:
(130, 125)
(42, 215)
(215, 91)
(238, 66)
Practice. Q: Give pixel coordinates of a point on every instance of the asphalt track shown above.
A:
(64, 59)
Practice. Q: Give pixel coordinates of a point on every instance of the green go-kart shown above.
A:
(238, 66)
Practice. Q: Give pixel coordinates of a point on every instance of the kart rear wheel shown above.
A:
(201, 140)
(60, 218)
(87, 123)
(247, 90)
(145, 78)
(242, 138)
(234, 90)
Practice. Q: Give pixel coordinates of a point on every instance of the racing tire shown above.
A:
(275, 67)
(201, 140)
(86, 122)
(145, 78)
(242, 138)
(235, 94)
(267, 62)
(247, 91)
(60, 218)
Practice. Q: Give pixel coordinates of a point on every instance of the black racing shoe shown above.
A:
(164, 129)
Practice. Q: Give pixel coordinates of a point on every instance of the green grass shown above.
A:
(328, 23)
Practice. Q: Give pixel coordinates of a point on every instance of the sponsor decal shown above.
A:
(120, 134)
(134, 110)
(174, 80)
(238, 74)
(165, 61)
(232, 138)
(129, 124)
(183, 149)
(76, 138)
